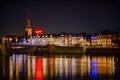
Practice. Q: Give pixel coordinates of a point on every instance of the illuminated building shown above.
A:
(12, 39)
(101, 39)
(116, 39)
(62, 39)
(94, 40)
(106, 39)
(28, 29)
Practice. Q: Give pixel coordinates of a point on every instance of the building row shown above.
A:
(68, 39)
(106, 39)
(37, 37)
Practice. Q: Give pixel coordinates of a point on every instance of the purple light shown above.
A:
(93, 38)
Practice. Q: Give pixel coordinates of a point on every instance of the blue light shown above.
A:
(94, 69)
(24, 58)
(14, 62)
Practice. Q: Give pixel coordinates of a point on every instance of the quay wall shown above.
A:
(58, 49)
(5, 49)
(102, 50)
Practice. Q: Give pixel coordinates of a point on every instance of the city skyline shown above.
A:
(61, 16)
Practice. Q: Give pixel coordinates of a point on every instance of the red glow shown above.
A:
(38, 31)
(39, 69)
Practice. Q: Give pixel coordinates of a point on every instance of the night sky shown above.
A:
(59, 16)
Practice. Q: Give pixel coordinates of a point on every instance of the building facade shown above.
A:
(106, 40)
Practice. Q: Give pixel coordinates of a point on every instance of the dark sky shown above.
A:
(59, 16)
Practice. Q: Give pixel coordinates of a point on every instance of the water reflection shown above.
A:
(61, 67)
(66, 68)
(39, 68)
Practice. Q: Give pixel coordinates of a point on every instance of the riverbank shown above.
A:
(102, 50)
(59, 49)
(51, 49)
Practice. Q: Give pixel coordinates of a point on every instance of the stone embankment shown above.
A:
(103, 50)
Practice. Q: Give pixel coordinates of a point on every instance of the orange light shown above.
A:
(51, 66)
(51, 63)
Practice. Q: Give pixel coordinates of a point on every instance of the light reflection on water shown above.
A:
(61, 67)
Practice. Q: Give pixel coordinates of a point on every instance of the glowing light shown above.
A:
(93, 38)
(11, 68)
(56, 66)
(17, 73)
(66, 68)
(60, 67)
(16, 40)
(51, 65)
(39, 69)
(94, 69)
(46, 36)
(38, 31)
(28, 67)
(73, 68)
(45, 68)
(51, 35)
(13, 59)
(33, 66)
(24, 59)
(10, 39)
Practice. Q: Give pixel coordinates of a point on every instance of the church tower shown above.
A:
(28, 29)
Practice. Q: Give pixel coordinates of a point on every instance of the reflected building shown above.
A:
(33, 66)
(52, 64)
(60, 67)
(11, 68)
(45, 68)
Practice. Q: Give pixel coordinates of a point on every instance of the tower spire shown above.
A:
(28, 29)
(28, 21)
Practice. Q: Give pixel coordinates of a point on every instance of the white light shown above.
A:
(16, 39)
(51, 35)
(62, 35)
(10, 39)
(46, 36)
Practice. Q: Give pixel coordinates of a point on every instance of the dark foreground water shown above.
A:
(59, 67)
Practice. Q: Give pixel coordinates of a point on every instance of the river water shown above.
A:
(59, 67)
